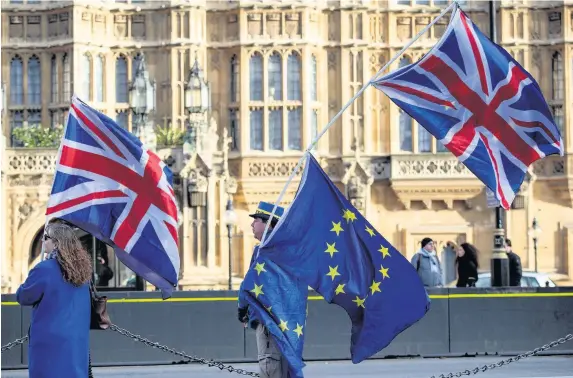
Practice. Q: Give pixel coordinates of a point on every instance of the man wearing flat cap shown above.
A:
(427, 264)
(271, 362)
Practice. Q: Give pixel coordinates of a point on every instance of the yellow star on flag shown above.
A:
(258, 290)
(384, 251)
(349, 216)
(260, 267)
(370, 231)
(359, 302)
(298, 330)
(384, 272)
(333, 272)
(268, 309)
(336, 227)
(375, 287)
(283, 326)
(331, 249)
(340, 289)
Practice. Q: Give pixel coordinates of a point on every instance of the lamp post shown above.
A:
(534, 232)
(499, 260)
(142, 101)
(197, 103)
(230, 220)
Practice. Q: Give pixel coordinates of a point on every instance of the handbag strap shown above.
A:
(93, 291)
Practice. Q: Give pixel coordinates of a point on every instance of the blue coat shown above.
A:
(60, 325)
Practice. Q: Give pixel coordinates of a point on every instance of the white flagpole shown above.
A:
(358, 94)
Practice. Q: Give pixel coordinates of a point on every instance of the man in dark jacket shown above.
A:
(514, 265)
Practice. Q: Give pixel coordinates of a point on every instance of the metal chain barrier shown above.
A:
(508, 361)
(231, 369)
(165, 348)
(14, 343)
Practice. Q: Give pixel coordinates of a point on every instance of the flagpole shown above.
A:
(499, 261)
(454, 4)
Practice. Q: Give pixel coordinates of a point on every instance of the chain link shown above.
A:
(508, 361)
(231, 369)
(14, 343)
(210, 363)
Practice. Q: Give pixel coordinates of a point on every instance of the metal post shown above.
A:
(94, 259)
(499, 260)
(229, 227)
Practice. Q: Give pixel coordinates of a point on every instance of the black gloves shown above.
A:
(243, 314)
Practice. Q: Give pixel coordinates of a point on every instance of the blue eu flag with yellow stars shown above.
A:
(279, 301)
(325, 242)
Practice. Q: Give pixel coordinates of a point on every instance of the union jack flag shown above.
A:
(472, 96)
(107, 183)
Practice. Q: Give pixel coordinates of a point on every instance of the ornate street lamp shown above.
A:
(230, 221)
(141, 98)
(535, 232)
(197, 103)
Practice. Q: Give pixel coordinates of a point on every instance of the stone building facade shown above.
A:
(278, 72)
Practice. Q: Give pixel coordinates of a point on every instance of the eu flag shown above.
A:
(323, 240)
(278, 301)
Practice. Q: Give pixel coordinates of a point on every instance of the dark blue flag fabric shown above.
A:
(279, 301)
(325, 242)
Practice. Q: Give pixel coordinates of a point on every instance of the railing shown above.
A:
(428, 167)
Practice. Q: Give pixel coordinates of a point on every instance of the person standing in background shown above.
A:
(427, 264)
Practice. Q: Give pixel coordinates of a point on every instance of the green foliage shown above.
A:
(36, 136)
(169, 137)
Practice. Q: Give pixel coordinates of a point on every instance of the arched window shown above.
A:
(34, 81)
(256, 129)
(234, 85)
(16, 81)
(405, 123)
(256, 77)
(86, 76)
(67, 81)
(293, 78)
(121, 89)
(313, 79)
(98, 77)
(276, 129)
(294, 128)
(424, 139)
(275, 77)
(54, 97)
(557, 71)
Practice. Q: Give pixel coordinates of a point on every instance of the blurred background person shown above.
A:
(467, 264)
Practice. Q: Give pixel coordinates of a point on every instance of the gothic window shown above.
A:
(276, 129)
(275, 77)
(17, 118)
(86, 72)
(233, 130)
(256, 77)
(404, 120)
(121, 90)
(313, 125)
(135, 64)
(294, 128)
(234, 79)
(99, 80)
(557, 71)
(256, 129)
(34, 118)
(313, 79)
(293, 78)
(405, 123)
(557, 112)
(66, 78)
(34, 81)
(121, 119)
(16, 81)
(424, 139)
(54, 79)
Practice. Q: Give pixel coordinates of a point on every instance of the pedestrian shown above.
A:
(515, 271)
(468, 265)
(427, 264)
(272, 363)
(58, 291)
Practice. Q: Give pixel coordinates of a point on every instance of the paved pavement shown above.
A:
(532, 367)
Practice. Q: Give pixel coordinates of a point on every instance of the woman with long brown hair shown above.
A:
(58, 290)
